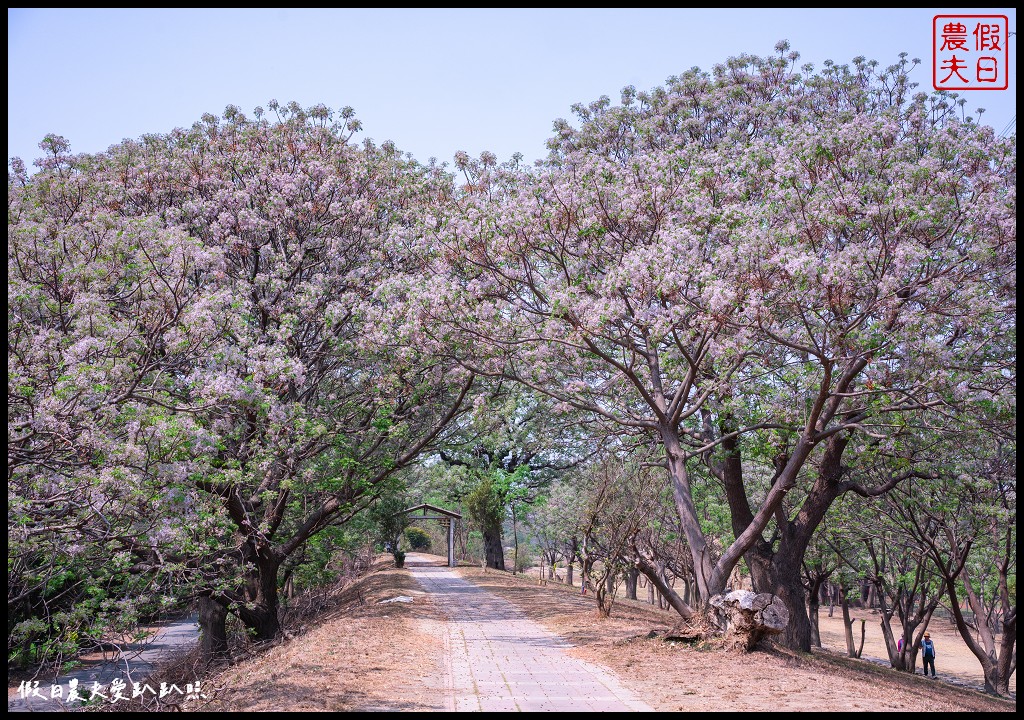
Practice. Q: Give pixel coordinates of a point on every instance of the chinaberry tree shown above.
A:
(219, 327)
(106, 312)
(757, 267)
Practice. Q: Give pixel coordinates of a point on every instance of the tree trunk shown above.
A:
(586, 566)
(631, 579)
(549, 560)
(463, 536)
(814, 604)
(263, 621)
(778, 573)
(778, 570)
(872, 597)
(604, 592)
(515, 542)
(650, 593)
(812, 615)
(259, 613)
(891, 645)
(213, 617)
(997, 670)
(656, 580)
(707, 576)
(494, 553)
(851, 647)
(999, 676)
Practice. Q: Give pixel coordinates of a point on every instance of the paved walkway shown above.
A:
(498, 660)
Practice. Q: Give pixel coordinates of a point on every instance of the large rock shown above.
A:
(750, 617)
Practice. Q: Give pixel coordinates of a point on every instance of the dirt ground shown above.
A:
(364, 656)
(678, 676)
(955, 662)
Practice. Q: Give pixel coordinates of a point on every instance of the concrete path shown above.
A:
(498, 660)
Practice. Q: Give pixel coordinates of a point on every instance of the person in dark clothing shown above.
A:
(928, 652)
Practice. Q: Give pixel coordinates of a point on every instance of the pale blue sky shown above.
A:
(434, 81)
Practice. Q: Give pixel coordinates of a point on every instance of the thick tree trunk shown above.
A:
(259, 614)
(778, 573)
(1007, 663)
(777, 570)
(788, 587)
(213, 617)
(494, 553)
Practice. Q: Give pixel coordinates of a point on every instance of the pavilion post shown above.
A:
(451, 542)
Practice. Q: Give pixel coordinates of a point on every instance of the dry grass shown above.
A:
(361, 656)
(352, 654)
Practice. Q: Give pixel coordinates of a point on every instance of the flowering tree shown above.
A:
(879, 281)
(277, 369)
(105, 311)
(752, 267)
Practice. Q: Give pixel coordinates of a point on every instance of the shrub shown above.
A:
(418, 538)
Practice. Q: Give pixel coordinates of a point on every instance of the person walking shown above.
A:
(928, 652)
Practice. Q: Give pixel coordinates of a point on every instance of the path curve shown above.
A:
(498, 660)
